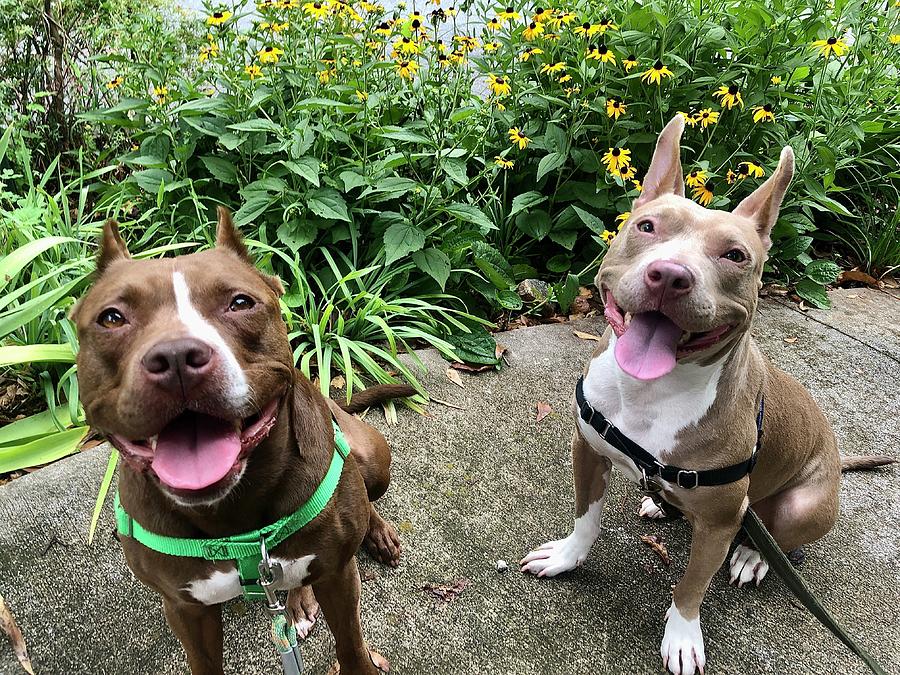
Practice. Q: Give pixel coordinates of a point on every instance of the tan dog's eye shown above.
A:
(645, 226)
(240, 302)
(735, 255)
(111, 318)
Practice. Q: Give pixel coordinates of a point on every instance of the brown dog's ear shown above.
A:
(762, 205)
(227, 235)
(664, 175)
(112, 246)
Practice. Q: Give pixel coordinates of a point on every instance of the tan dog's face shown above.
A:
(680, 281)
(183, 362)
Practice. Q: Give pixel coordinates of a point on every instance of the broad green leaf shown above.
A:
(814, 293)
(351, 180)
(526, 200)
(477, 346)
(260, 124)
(152, 180)
(221, 169)
(550, 162)
(589, 219)
(456, 169)
(41, 451)
(434, 263)
(400, 239)
(13, 355)
(16, 261)
(328, 203)
(35, 426)
(790, 249)
(297, 233)
(305, 167)
(252, 208)
(471, 214)
(535, 223)
(494, 266)
(566, 292)
(401, 134)
(822, 271)
(509, 299)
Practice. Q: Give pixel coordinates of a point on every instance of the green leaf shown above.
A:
(471, 214)
(536, 224)
(351, 180)
(814, 293)
(822, 271)
(259, 124)
(102, 492)
(296, 234)
(328, 203)
(35, 426)
(16, 261)
(17, 317)
(589, 219)
(435, 263)
(526, 200)
(566, 292)
(401, 134)
(550, 162)
(477, 346)
(456, 169)
(559, 263)
(221, 169)
(41, 451)
(152, 179)
(509, 299)
(252, 208)
(790, 249)
(400, 239)
(495, 267)
(13, 355)
(392, 187)
(305, 167)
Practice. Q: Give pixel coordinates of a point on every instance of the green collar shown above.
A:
(244, 548)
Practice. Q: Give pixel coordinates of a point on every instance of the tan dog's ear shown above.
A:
(762, 205)
(112, 246)
(664, 175)
(227, 235)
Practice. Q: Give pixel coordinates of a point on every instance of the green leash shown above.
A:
(779, 562)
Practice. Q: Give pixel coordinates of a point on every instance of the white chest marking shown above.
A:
(200, 328)
(649, 413)
(222, 586)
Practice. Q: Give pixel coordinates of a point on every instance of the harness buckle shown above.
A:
(605, 429)
(684, 472)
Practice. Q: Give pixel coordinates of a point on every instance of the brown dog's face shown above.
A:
(680, 281)
(183, 362)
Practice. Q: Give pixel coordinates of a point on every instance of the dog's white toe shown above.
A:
(304, 626)
(682, 645)
(649, 509)
(747, 565)
(555, 557)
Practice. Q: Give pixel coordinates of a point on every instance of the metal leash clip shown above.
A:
(284, 634)
(648, 485)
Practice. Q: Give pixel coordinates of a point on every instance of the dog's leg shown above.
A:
(339, 596)
(591, 479)
(682, 645)
(199, 629)
(304, 609)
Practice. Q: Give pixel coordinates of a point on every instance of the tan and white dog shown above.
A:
(678, 373)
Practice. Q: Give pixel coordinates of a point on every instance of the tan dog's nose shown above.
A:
(669, 279)
(177, 365)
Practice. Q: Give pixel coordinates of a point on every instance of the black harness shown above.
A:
(647, 463)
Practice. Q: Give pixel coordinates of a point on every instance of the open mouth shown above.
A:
(650, 343)
(196, 452)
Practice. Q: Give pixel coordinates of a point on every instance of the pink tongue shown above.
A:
(196, 451)
(647, 349)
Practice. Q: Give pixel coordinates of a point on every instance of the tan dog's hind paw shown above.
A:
(382, 541)
(682, 648)
(304, 608)
(650, 509)
(747, 565)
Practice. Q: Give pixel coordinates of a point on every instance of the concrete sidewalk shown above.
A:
(487, 482)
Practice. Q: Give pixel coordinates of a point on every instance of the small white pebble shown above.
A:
(502, 566)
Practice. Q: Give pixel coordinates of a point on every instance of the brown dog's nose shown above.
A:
(669, 278)
(177, 365)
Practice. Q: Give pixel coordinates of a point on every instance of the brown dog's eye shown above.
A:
(111, 318)
(735, 255)
(240, 302)
(645, 226)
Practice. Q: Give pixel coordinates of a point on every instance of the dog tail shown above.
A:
(375, 395)
(865, 462)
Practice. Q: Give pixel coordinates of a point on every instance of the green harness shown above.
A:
(244, 549)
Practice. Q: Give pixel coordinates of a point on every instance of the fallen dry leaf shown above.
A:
(585, 292)
(891, 282)
(586, 336)
(859, 277)
(453, 376)
(543, 409)
(470, 368)
(659, 548)
(499, 351)
(447, 403)
(790, 340)
(338, 382)
(447, 591)
(9, 626)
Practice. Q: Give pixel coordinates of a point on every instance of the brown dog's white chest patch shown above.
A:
(225, 585)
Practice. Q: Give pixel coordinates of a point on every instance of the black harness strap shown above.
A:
(647, 463)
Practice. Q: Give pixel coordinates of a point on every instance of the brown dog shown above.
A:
(679, 374)
(185, 365)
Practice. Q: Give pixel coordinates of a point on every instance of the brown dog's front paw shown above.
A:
(382, 541)
(304, 609)
(378, 661)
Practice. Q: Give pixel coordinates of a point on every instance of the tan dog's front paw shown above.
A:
(747, 565)
(682, 645)
(555, 557)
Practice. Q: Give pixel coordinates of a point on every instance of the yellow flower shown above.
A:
(326, 75)
(746, 169)
(622, 218)
(532, 30)
(274, 27)
(494, 24)
(689, 120)
(637, 185)
(541, 14)
(218, 18)
(607, 236)
(407, 69)
(269, 54)
(776, 80)
(451, 11)
(615, 158)
(491, 46)
(571, 91)
(565, 78)
(551, 37)
(317, 10)
(625, 172)
(587, 29)
(516, 137)
(894, 38)
(707, 117)
(406, 46)
(253, 72)
(508, 14)
(607, 24)
(208, 50)
(695, 178)
(553, 68)
(730, 176)
(161, 94)
(614, 107)
(466, 42)
(498, 104)
(763, 113)
(115, 82)
(563, 19)
(832, 44)
(531, 51)
(499, 85)
(602, 53)
(443, 61)
(656, 73)
(362, 95)
(729, 96)
(384, 28)
(503, 163)
(630, 62)
(457, 56)
(703, 193)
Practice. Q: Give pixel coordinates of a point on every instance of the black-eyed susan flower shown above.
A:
(695, 178)
(763, 113)
(833, 45)
(504, 163)
(703, 193)
(207, 51)
(629, 62)
(326, 75)
(516, 137)
(894, 38)
(406, 46)
(689, 118)
(749, 169)
(116, 82)
(457, 57)
(607, 24)
(269, 54)
(707, 116)
(253, 72)
(638, 185)
(499, 86)
(776, 80)
(561, 19)
(362, 96)
(607, 236)
(615, 158)
(452, 11)
(383, 28)
(602, 53)
(541, 14)
(494, 24)
(218, 18)
(729, 96)
(565, 78)
(553, 68)
(730, 177)
(587, 29)
(625, 172)
(443, 61)
(491, 46)
(528, 53)
(656, 74)
(622, 218)
(317, 10)
(509, 14)
(406, 69)
(417, 28)
(466, 43)
(161, 94)
(615, 107)
(550, 37)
